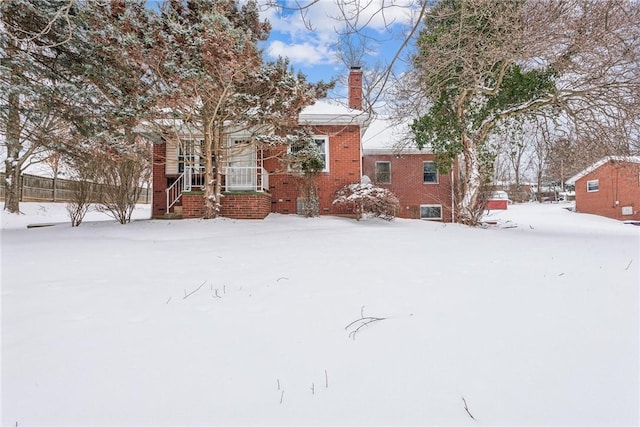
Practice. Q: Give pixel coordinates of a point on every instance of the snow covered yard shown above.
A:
(230, 322)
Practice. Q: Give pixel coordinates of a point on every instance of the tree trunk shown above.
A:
(12, 185)
(468, 208)
(213, 143)
(210, 171)
(218, 158)
(13, 163)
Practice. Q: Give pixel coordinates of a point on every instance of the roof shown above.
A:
(327, 113)
(386, 136)
(596, 165)
(320, 113)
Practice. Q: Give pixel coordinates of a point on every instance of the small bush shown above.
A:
(367, 199)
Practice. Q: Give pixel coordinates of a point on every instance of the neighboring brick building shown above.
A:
(255, 182)
(610, 187)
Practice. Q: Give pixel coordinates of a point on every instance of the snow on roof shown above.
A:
(596, 165)
(386, 136)
(324, 112)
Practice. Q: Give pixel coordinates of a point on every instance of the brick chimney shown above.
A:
(355, 88)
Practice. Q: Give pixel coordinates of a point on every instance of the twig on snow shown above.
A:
(326, 379)
(281, 396)
(363, 321)
(628, 265)
(467, 409)
(168, 300)
(191, 293)
(313, 388)
(282, 278)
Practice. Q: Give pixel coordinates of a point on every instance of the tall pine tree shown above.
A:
(210, 73)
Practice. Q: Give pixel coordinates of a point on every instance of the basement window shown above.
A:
(593, 186)
(433, 212)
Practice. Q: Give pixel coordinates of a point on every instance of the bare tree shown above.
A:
(84, 172)
(122, 177)
(483, 63)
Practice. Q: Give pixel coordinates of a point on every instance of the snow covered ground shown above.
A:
(226, 322)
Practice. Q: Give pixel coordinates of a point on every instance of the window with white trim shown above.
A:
(322, 141)
(429, 173)
(383, 172)
(189, 153)
(593, 185)
(430, 211)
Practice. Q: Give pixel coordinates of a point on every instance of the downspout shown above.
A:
(361, 155)
(453, 204)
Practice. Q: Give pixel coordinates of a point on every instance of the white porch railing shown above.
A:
(246, 178)
(174, 192)
(186, 181)
(237, 178)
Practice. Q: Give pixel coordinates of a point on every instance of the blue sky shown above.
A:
(315, 51)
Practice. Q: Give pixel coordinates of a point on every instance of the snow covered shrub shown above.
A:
(368, 199)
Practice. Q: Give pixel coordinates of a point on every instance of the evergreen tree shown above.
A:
(210, 74)
(35, 92)
(73, 80)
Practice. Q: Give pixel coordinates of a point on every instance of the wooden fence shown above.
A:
(39, 189)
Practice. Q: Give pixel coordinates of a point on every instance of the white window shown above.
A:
(383, 172)
(430, 211)
(189, 153)
(323, 147)
(322, 141)
(593, 185)
(429, 173)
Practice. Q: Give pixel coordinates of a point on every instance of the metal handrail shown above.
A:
(174, 191)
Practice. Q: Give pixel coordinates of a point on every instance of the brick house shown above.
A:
(609, 187)
(409, 173)
(254, 182)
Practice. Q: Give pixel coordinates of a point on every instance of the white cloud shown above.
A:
(302, 53)
(311, 36)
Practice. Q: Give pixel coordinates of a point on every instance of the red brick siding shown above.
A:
(193, 205)
(159, 181)
(408, 186)
(344, 168)
(618, 182)
(246, 206)
(355, 89)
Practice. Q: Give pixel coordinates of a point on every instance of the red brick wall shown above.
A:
(355, 88)
(618, 182)
(193, 205)
(246, 206)
(408, 186)
(159, 181)
(344, 168)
